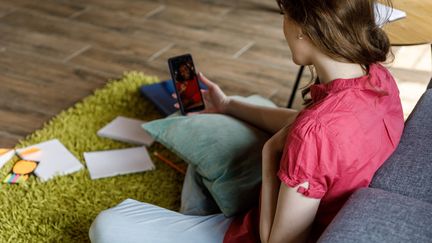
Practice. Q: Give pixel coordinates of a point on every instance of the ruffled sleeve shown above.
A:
(308, 156)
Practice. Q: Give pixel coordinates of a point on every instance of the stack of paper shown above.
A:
(385, 14)
(54, 159)
(117, 162)
(126, 130)
(5, 156)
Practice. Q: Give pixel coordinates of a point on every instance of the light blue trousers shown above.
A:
(133, 221)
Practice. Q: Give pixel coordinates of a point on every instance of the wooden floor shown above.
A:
(55, 52)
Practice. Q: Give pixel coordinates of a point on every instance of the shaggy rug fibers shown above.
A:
(62, 209)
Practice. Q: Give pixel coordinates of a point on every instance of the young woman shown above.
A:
(317, 157)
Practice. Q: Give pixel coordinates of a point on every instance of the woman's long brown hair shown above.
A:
(345, 30)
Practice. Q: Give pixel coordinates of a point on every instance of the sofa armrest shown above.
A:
(374, 215)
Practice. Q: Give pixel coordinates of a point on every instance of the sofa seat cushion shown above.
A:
(374, 215)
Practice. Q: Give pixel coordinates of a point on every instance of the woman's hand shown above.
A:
(215, 100)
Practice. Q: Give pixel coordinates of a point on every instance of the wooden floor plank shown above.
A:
(28, 122)
(53, 7)
(141, 8)
(41, 44)
(37, 90)
(272, 55)
(116, 63)
(32, 67)
(138, 9)
(46, 98)
(6, 8)
(253, 23)
(8, 139)
(115, 21)
(177, 16)
(32, 21)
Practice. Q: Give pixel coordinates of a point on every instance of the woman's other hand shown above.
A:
(215, 99)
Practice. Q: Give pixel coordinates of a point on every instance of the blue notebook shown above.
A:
(160, 95)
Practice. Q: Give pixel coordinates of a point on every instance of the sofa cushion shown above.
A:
(408, 171)
(374, 215)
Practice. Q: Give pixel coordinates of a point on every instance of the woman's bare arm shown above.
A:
(285, 214)
(294, 215)
(271, 154)
(269, 193)
(270, 119)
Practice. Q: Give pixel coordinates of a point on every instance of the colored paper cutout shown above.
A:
(28, 151)
(13, 178)
(54, 159)
(24, 167)
(21, 171)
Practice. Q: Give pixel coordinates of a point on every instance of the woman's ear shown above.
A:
(300, 36)
(300, 46)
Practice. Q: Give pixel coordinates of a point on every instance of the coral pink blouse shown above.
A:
(336, 144)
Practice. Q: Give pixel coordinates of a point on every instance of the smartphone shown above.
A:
(186, 83)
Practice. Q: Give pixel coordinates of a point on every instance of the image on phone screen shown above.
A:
(186, 83)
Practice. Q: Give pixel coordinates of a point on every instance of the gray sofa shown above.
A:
(397, 207)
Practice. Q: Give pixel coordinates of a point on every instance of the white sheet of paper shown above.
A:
(6, 157)
(126, 130)
(54, 159)
(384, 13)
(118, 162)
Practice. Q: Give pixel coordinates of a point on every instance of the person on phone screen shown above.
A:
(316, 158)
(187, 86)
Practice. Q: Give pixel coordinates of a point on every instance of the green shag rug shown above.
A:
(62, 209)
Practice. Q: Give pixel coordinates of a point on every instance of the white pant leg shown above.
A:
(133, 221)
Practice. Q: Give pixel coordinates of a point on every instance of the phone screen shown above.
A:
(186, 83)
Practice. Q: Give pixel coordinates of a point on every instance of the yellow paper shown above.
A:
(29, 151)
(24, 167)
(4, 150)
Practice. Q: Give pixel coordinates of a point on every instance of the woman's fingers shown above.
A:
(205, 80)
(204, 93)
(174, 95)
(176, 105)
(207, 100)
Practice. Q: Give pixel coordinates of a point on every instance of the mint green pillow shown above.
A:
(226, 153)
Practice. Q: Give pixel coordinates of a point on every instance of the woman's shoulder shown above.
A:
(380, 79)
(332, 121)
(352, 104)
(308, 124)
